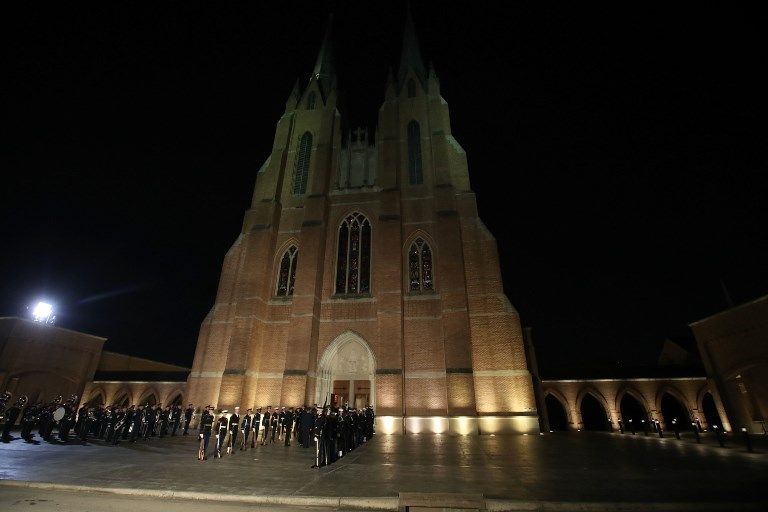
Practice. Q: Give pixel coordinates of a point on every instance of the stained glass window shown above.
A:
(301, 167)
(311, 100)
(353, 265)
(415, 175)
(287, 274)
(420, 276)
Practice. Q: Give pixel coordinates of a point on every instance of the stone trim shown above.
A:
(424, 374)
(458, 370)
(389, 371)
(500, 373)
(295, 372)
(234, 372)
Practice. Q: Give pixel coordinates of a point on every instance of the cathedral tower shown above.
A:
(363, 272)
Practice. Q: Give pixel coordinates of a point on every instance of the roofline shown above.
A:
(183, 368)
(635, 379)
(52, 326)
(751, 302)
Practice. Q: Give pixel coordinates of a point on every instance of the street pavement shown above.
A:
(562, 467)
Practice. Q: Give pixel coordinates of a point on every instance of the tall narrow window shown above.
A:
(420, 266)
(287, 275)
(311, 100)
(353, 258)
(411, 88)
(301, 167)
(415, 175)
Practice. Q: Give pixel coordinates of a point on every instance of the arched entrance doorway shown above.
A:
(558, 419)
(347, 371)
(710, 411)
(673, 409)
(593, 414)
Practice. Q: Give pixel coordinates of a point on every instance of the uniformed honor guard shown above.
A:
(11, 415)
(275, 424)
(165, 417)
(267, 421)
(234, 427)
(206, 428)
(137, 421)
(256, 425)
(175, 419)
(221, 432)
(318, 434)
(245, 428)
(188, 414)
(288, 426)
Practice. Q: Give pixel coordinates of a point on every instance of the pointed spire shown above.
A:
(324, 72)
(410, 58)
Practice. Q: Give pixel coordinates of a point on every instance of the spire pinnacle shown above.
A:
(410, 58)
(324, 71)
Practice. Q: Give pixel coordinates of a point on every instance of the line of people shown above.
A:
(110, 424)
(333, 432)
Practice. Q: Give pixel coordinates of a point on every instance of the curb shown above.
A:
(392, 504)
(374, 503)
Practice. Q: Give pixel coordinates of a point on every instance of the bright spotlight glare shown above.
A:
(43, 312)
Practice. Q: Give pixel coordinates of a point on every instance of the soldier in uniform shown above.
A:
(266, 420)
(255, 426)
(275, 424)
(206, 428)
(137, 421)
(221, 433)
(318, 434)
(28, 420)
(233, 427)
(11, 415)
(245, 428)
(280, 423)
(288, 426)
(188, 414)
(175, 419)
(165, 417)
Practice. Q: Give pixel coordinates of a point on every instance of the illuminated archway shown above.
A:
(347, 359)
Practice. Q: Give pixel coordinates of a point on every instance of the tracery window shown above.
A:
(415, 176)
(301, 167)
(353, 259)
(311, 100)
(286, 277)
(420, 266)
(411, 88)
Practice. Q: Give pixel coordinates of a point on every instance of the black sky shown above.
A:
(618, 155)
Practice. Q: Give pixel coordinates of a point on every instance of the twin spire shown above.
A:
(410, 58)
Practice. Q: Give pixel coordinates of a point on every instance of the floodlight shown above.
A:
(43, 313)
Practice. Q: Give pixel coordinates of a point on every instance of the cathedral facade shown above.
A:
(363, 274)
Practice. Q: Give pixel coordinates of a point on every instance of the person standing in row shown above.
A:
(255, 425)
(188, 414)
(245, 428)
(175, 419)
(288, 426)
(206, 428)
(233, 427)
(221, 433)
(267, 420)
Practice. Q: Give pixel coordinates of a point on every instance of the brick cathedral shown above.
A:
(363, 273)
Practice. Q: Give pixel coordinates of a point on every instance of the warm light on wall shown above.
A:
(388, 425)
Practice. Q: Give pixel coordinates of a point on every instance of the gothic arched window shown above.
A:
(286, 277)
(311, 100)
(411, 88)
(415, 175)
(420, 267)
(301, 167)
(353, 258)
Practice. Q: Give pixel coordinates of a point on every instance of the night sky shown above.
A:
(618, 156)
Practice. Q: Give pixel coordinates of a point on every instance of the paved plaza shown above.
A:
(561, 467)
